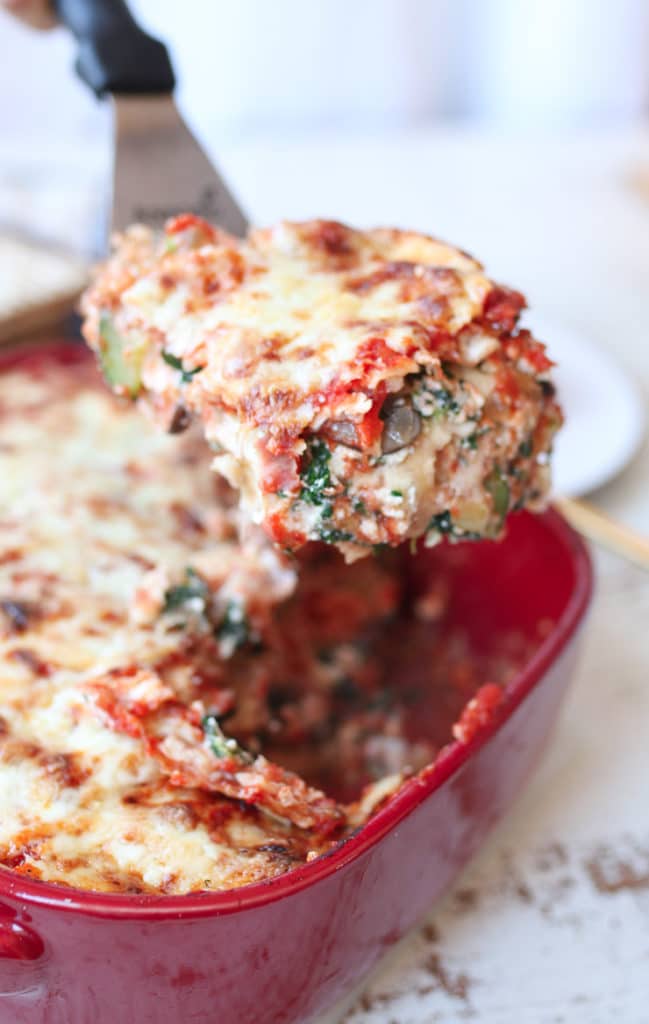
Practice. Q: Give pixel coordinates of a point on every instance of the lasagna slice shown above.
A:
(357, 387)
(171, 692)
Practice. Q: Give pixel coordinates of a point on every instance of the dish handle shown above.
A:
(22, 955)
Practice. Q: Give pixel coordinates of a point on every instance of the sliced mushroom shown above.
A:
(402, 425)
(17, 613)
(343, 432)
(180, 420)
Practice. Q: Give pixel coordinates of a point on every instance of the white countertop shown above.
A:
(551, 922)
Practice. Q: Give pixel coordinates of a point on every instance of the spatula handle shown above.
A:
(115, 54)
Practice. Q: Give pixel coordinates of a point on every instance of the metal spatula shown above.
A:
(159, 167)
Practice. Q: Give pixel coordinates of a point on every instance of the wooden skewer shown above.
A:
(600, 529)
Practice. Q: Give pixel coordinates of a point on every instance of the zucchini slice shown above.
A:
(120, 358)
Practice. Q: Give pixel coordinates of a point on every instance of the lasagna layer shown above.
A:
(159, 676)
(357, 387)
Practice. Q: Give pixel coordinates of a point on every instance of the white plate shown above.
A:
(605, 413)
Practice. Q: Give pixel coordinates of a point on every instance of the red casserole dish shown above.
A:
(284, 951)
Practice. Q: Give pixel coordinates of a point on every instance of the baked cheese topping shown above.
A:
(356, 387)
(148, 656)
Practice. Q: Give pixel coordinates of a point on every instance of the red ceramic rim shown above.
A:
(410, 796)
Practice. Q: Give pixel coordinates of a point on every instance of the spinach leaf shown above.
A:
(177, 364)
(193, 589)
(315, 475)
(192, 598)
(333, 535)
(526, 448)
(233, 630)
(445, 400)
(442, 522)
(223, 746)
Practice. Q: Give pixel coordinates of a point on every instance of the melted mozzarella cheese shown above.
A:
(94, 502)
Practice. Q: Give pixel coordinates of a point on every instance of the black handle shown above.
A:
(115, 55)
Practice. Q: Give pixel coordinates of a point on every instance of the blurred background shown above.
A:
(253, 68)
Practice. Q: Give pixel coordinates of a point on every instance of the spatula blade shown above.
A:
(160, 169)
